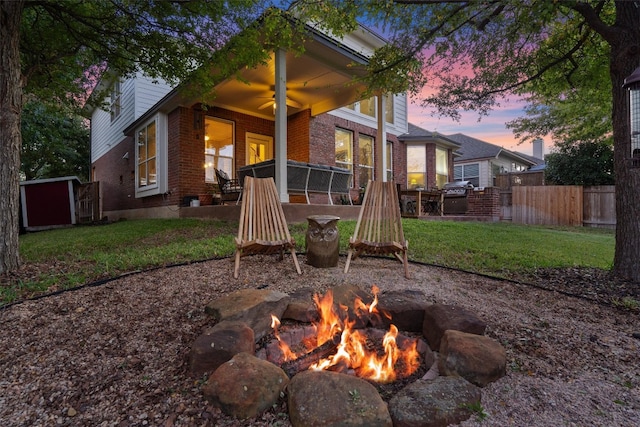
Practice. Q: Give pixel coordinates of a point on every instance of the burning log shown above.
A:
(302, 363)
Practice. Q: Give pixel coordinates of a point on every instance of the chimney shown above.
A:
(538, 148)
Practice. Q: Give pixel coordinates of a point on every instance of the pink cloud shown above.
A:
(489, 128)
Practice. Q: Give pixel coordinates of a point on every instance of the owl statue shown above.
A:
(322, 240)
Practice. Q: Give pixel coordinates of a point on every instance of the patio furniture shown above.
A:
(379, 227)
(230, 189)
(305, 178)
(263, 228)
(429, 201)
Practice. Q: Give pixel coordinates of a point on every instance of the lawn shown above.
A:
(66, 258)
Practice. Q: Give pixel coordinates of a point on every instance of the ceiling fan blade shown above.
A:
(266, 104)
(294, 104)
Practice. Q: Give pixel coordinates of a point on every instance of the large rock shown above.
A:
(219, 344)
(440, 402)
(245, 386)
(405, 309)
(301, 306)
(476, 358)
(330, 399)
(439, 318)
(251, 306)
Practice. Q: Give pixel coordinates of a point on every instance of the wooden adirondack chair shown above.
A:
(263, 228)
(379, 227)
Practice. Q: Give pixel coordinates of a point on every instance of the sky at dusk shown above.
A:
(490, 128)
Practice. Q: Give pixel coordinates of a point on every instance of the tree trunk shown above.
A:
(625, 58)
(10, 137)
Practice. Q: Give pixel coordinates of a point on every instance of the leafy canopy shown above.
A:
(582, 163)
(55, 142)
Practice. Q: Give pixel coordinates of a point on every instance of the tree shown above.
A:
(55, 142)
(584, 163)
(54, 50)
(499, 46)
(502, 46)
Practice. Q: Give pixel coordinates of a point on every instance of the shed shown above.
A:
(48, 203)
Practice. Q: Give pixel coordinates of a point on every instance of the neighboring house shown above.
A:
(430, 158)
(155, 146)
(480, 162)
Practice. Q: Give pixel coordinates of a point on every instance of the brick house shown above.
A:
(155, 147)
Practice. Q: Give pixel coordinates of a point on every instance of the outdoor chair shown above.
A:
(263, 228)
(379, 227)
(230, 189)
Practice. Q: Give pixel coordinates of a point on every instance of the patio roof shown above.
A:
(323, 78)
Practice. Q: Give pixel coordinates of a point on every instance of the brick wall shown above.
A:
(310, 139)
(322, 143)
(484, 203)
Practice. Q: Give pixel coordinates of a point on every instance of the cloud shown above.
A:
(489, 128)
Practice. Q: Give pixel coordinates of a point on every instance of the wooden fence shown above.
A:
(569, 205)
(599, 206)
(88, 203)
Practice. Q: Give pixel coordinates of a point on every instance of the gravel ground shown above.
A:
(116, 354)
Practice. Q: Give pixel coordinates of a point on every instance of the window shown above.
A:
(151, 157)
(218, 147)
(147, 143)
(517, 167)
(388, 112)
(116, 95)
(469, 173)
(259, 148)
(442, 167)
(389, 161)
(344, 149)
(416, 166)
(365, 157)
(368, 107)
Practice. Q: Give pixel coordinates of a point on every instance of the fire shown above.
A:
(284, 347)
(383, 363)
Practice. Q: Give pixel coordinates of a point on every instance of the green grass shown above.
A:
(65, 258)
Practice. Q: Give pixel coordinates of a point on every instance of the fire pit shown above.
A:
(351, 358)
(334, 343)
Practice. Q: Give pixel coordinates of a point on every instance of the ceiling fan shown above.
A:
(290, 102)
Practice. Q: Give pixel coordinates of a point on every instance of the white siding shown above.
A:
(485, 174)
(399, 127)
(138, 95)
(148, 93)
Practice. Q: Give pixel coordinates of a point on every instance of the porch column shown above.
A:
(380, 159)
(281, 125)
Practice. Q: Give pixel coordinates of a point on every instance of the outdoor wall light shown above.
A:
(632, 84)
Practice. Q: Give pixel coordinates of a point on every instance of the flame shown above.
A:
(287, 354)
(353, 352)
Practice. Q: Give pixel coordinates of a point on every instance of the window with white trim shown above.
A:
(389, 108)
(344, 149)
(368, 107)
(416, 166)
(390, 161)
(151, 157)
(365, 159)
(147, 143)
(218, 147)
(470, 172)
(442, 167)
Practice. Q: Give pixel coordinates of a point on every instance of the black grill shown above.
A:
(455, 197)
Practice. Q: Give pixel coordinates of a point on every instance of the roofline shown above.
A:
(173, 99)
(516, 155)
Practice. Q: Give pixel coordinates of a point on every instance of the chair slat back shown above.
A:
(379, 219)
(261, 213)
